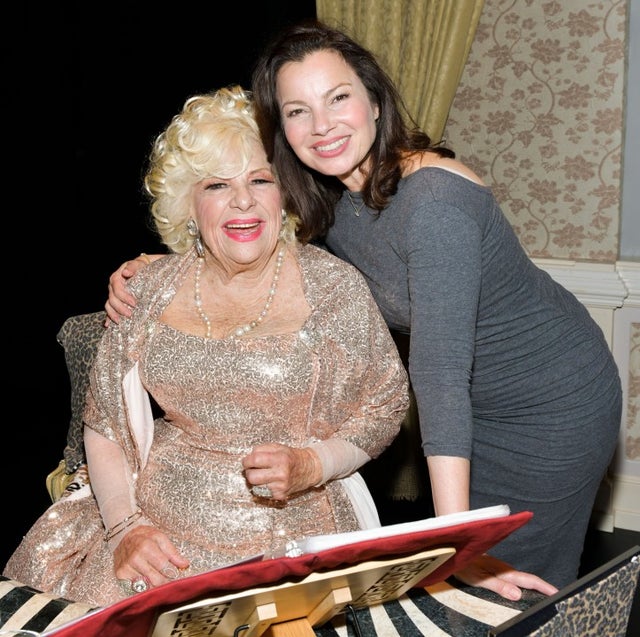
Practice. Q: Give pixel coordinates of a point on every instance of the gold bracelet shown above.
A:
(145, 257)
(122, 525)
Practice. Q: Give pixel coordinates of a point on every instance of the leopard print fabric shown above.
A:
(79, 336)
(601, 610)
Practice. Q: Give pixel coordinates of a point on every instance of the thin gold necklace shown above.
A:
(243, 329)
(356, 209)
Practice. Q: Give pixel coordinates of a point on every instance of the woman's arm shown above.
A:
(288, 470)
(112, 485)
(120, 299)
(139, 548)
(450, 488)
(449, 477)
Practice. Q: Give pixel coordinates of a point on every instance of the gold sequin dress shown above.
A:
(339, 375)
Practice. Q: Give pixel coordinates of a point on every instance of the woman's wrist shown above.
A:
(338, 458)
(117, 539)
(125, 523)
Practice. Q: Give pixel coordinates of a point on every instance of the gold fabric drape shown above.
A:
(422, 44)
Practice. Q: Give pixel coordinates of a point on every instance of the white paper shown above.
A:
(316, 543)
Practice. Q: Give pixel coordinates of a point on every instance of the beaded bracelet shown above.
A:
(122, 525)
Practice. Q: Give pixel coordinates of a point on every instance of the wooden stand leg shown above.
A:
(293, 628)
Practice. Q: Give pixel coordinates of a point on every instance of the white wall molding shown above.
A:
(625, 468)
(595, 284)
(629, 272)
(626, 496)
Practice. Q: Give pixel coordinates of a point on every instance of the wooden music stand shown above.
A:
(293, 608)
(288, 595)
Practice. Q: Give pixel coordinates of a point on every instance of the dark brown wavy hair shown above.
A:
(311, 195)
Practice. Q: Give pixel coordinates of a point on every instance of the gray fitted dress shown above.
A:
(508, 368)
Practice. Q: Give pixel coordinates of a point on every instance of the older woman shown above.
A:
(274, 374)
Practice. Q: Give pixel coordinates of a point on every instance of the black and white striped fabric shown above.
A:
(585, 608)
(446, 608)
(440, 610)
(25, 609)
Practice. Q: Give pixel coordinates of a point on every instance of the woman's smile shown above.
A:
(247, 230)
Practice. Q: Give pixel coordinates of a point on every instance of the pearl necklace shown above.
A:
(356, 209)
(240, 331)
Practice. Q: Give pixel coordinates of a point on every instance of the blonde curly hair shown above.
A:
(214, 134)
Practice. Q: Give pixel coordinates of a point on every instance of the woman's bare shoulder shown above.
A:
(432, 160)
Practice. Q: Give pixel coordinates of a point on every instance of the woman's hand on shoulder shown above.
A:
(121, 301)
(501, 578)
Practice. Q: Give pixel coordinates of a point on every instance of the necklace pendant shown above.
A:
(356, 209)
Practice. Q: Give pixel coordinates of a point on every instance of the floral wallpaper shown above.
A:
(539, 115)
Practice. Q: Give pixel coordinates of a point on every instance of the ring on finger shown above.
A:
(140, 585)
(262, 491)
(169, 571)
(125, 586)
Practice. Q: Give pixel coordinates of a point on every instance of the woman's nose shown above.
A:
(322, 123)
(243, 197)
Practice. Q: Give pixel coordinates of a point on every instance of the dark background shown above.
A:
(90, 85)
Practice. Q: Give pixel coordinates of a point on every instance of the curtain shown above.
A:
(422, 44)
